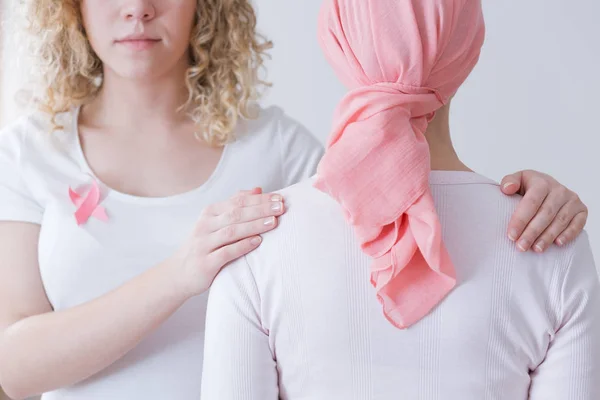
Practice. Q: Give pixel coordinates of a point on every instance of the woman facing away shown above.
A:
(389, 276)
(114, 198)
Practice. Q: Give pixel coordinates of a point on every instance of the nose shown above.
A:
(139, 10)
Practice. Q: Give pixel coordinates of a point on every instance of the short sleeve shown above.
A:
(301, 152)
(16, 201)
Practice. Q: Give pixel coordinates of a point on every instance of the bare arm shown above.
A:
(42, 350)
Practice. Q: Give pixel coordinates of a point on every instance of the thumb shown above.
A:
(511, 184)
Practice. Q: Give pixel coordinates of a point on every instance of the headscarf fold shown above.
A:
(402, 60)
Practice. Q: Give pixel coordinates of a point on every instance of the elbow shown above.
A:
(14, 387)
(13, 381)
(15, 392)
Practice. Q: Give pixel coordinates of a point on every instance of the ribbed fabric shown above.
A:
(298, 319)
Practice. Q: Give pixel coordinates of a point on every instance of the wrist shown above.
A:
(174, 281)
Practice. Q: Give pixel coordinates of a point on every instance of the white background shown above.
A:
(532, 102)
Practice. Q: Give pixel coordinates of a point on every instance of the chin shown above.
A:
(150, 67)
(140, 71)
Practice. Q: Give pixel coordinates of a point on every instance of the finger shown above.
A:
(223, 256)
(242, 200)
(256, 190)
(556, 227)
(539, 223)
(557, 205)
(234, 233)
(573, 230)
(526, 210)
(238, 215)
(511, 184)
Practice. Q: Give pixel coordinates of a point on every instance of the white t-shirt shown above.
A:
(80, 263)
(298, 318)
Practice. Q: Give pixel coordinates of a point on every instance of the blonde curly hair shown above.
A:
(226, 56)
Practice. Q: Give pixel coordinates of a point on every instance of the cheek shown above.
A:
(179, 40)
(182, 21)
(96, 23)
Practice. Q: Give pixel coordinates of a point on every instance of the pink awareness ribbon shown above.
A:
(88, 205)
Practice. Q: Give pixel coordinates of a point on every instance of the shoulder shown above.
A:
(310, 213)
(471, 195)
(32, 135)
(281, 144)
(579, 261)
(22, 130)
(274, 127)
(577, 296)
(304, 199)
(550, 277)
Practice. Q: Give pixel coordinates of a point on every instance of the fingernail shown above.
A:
(523, 245)
(539, 247)
(256, 241)
(276, 197)
(560, 241)
(507, 185)
(276, 207)
(270, 221)
(512, 234)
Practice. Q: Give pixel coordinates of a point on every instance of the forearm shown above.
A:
(58, 349)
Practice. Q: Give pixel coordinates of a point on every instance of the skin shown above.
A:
(133, 126)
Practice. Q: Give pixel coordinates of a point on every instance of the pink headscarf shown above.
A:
(402, 61)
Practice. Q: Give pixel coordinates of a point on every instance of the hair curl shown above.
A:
(226, 56)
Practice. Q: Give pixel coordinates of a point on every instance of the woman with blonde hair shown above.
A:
(113, 197)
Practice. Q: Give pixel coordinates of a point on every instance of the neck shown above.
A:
(442, 152)
(136, 105)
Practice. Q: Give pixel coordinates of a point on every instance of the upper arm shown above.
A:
(21, 290)
(571, 369)
(238, 363)
(301, 152)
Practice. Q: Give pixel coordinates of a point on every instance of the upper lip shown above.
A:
(136, 37)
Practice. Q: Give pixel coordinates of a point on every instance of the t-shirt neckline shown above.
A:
(113, 193)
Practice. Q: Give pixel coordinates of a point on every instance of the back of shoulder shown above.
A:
(481, 213)
(304, 199)
(486, 208)
(310, 213)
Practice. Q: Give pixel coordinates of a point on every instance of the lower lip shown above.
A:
(138, 45)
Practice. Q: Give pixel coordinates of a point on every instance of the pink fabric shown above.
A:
(88, 206)
(402, 60)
